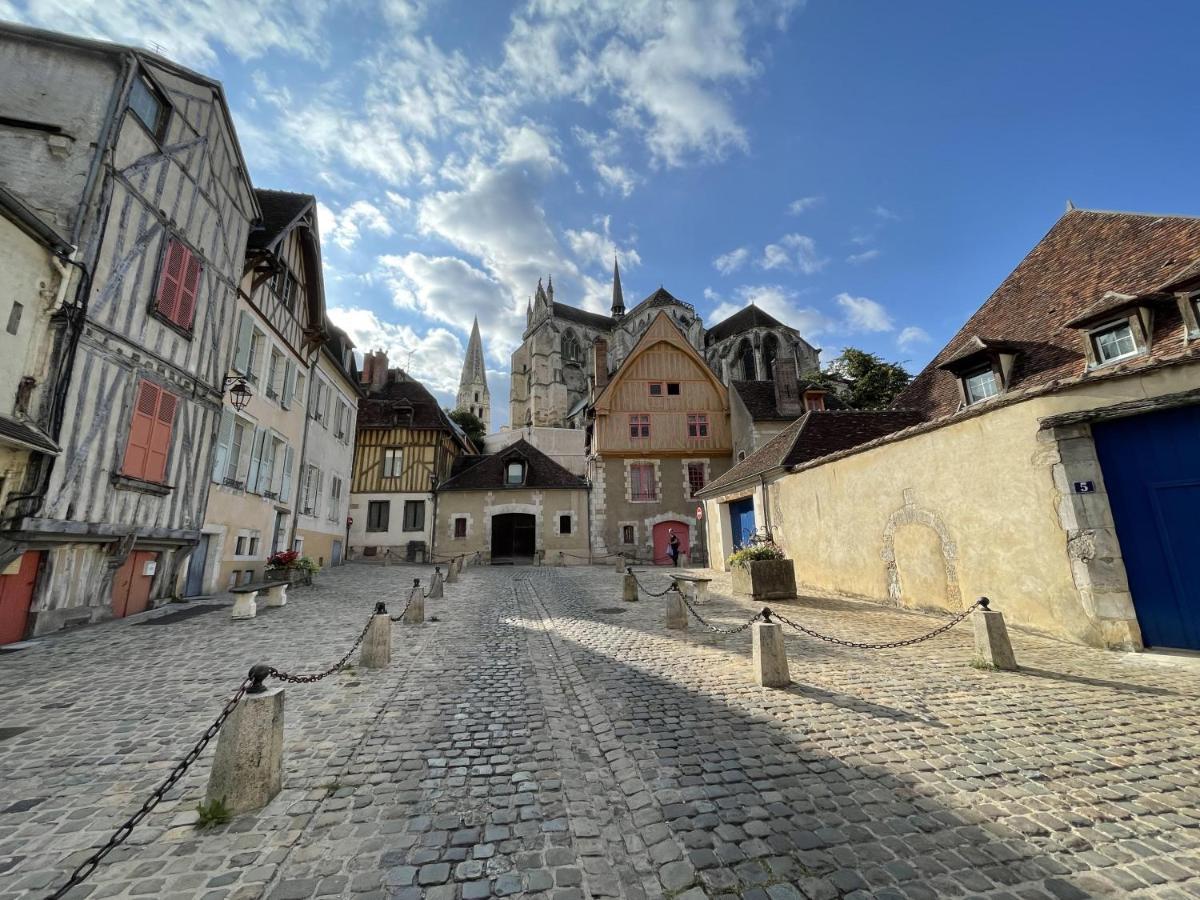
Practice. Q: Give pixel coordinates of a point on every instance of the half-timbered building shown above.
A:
(406, 446)
(279, 330)
(135, 161)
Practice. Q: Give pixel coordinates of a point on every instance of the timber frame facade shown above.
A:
(135, 159)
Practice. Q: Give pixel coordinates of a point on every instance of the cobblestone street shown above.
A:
(542, 738)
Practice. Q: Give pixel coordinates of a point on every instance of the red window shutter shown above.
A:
(187, 291)
(141, 429)
(160, 438)
(171, 278)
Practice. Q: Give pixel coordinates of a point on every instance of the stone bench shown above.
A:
(245, 604)
(698, 583)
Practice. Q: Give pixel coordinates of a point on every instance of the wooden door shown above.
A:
(131, 584)
(662, 537)
(16, 594)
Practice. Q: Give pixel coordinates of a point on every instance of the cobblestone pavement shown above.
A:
(545, 739)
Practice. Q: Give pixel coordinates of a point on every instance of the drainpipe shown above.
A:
(766, 506)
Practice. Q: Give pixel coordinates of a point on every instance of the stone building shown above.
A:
(759, 410)
(513, 506)
(134, 161)
(405, 446)
(473, 394)
(1054, 464)
(553, 370)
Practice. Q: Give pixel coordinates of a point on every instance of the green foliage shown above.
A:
(864, 380)
(213, 814)
(471, 424)
(308, 564)
(755, 552)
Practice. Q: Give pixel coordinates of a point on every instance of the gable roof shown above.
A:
(662, 328)
(812, 436)
(280, 209)
(743, 320)
(660, 297)
(381, 408)
(477, 473)
(1077, 267)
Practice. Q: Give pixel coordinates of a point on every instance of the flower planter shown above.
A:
(765, 579)
(291, 576)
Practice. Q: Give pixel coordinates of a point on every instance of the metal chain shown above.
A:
(89, 865)
(317, 676)
(713, 628)
(652, 593)
(403, 611)
(889, 645)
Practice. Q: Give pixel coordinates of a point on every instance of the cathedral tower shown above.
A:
(473, 393)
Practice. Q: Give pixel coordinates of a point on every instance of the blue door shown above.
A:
(1151, 468)
(741, 519)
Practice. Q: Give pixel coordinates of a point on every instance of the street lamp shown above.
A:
(238, 390)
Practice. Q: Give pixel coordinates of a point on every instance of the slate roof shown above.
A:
(582, 316)
(279, 210)
(479, 473)
(1084, 257)
(22, 435)
(661, 297)
(812, 436)
(759, 399)
(743, 320)
(379, 408)
(337, 342)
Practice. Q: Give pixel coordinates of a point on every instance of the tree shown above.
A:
(471, 424)
(864, 380)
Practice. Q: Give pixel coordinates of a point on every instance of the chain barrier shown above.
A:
(713, 628)
(890, 645)
(643, 587)
(89, 865)
(380, 608)
(253, 684)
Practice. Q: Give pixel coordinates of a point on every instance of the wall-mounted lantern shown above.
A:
(238, 390)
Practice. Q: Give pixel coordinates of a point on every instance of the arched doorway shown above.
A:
(513, 537)
(662, 536)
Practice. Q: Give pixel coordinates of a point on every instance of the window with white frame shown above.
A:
(393, 461)
(514, 472)
(275, 375)
(258, 341)
(1114, 342)
(980, 385)
(335, 497)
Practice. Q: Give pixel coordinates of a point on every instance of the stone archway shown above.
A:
(911, 514)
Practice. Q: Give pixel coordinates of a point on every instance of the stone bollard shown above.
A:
(415, 614)
(277, 596)
(620, 563)
(435, 584)
(629, 592)
(561, 559)
(677, 617)
(453, 569)
(244, 606)
(247, 769)
(770, 656)
(377, 645)
(992, 646)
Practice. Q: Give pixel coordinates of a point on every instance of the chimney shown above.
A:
(788, 399)
(374, 370)
(600, 354)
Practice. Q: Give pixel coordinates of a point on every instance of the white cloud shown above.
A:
(865, 256)
(345, 228)
(911, 337)
(802, 204)
(779, 301)
(882, 212)
(598, 247)
(794, 252)
(603, 151)
(728, 263)
(863, 314)
(435, 357)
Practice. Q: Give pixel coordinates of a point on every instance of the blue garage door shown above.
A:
(1151, 469)
(741, 518)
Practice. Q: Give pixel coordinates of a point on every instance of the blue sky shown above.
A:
(866, 171)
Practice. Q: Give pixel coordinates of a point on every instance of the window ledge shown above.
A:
(186, 333)
(141, 485)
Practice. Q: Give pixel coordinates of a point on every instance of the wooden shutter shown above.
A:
(241, 356)
(316, 505)
(256, 449)
(285, 487)
(170, 279)
(188, 287)
(289, 384)
(224, 439)
(141, 430)
(160, 440)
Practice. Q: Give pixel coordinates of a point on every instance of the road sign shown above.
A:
(699, 513)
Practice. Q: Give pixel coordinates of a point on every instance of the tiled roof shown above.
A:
(743, 320)
(17, 433)
(383, 407)
(480, 473)
(279, 210)
(1081, 259)
(661, 297)
(582, 316)
(812, 436)
(759, 399)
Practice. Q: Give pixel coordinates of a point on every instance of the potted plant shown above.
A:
(761, 572)
(290, 566)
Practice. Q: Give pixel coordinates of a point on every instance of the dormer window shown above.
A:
(1113, 342)
(980, 385)
(514, 472)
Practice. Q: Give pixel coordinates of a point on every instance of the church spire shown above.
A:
(473, 395)
(618, 298)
